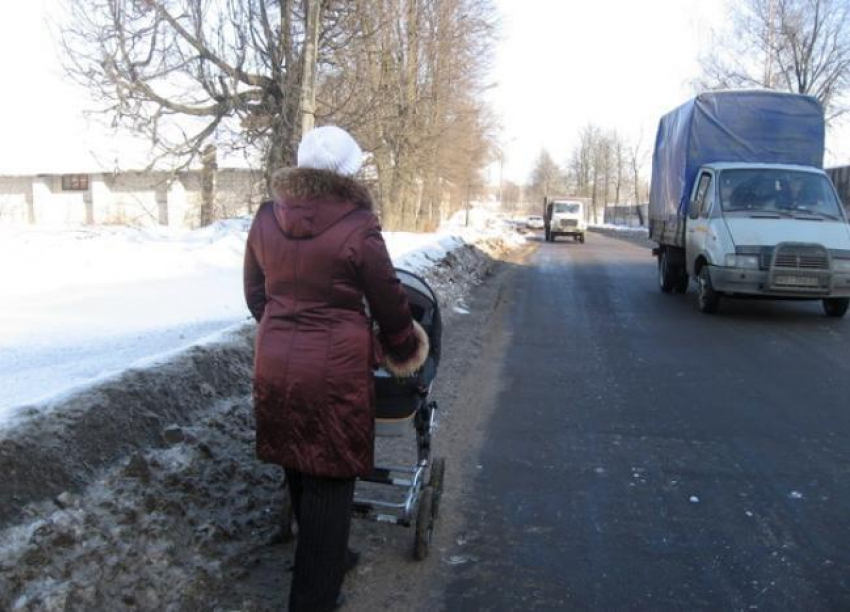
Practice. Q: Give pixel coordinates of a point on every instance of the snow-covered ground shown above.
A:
(625, 229)
(80, 305)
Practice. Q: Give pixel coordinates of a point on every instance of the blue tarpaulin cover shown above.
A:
(765, 127)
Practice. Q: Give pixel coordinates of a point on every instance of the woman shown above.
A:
(313, 255)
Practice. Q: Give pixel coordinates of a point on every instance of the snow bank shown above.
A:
(145, 486)
(622, 229)
(79, 306)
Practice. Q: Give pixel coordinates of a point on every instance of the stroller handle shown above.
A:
(422, 281)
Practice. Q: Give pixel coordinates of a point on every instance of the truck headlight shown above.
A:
(841, 265)
(742, 261)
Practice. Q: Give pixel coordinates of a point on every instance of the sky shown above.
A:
(42, 119)
(559, 65)
(620, 64)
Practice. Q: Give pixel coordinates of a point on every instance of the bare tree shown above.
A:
(546, 176)
(185, 73)
(405, 76)
(801, 46)
(410, 86)
(637, 158)
(618, 149)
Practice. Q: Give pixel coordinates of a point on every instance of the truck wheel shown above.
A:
(708, 299)
(665, 278)
(581, 239)
(836, 307)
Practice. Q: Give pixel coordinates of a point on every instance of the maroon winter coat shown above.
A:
(312, 256)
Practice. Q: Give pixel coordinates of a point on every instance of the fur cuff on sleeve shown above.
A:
(409, 366)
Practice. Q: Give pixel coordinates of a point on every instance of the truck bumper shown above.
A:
(746, 281)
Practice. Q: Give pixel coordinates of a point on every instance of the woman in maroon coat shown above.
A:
(313, 255)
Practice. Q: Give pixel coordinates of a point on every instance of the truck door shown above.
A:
(699, 210)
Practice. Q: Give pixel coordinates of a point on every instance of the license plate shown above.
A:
(795, 280)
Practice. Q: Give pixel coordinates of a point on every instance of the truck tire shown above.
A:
(581, 239)
(836, 307)
(708, 299)
(665, 276)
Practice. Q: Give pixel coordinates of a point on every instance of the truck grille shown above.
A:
(569, 222)
(802, 268)
(801, 258)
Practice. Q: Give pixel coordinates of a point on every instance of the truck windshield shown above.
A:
(572, 209)
(783, 192)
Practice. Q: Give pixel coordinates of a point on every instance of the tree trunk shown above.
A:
(308, 71)
(208, 180)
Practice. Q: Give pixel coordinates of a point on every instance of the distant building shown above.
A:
(137, 198)
(841, 179)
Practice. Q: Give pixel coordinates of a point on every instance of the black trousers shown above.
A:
(322, 507)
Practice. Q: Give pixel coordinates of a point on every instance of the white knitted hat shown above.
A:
(330, 148)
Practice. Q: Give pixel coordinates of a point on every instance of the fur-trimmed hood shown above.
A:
(307, 202)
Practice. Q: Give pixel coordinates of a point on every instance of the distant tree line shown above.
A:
(404, 76)
(604, 168)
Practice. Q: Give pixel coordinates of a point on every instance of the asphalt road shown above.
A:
(644, 456)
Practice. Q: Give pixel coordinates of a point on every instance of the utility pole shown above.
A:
(308, 80)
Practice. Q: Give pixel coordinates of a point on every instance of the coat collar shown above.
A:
(309, 184)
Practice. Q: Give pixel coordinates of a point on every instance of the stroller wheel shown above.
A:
(438, 475)
(424, 524)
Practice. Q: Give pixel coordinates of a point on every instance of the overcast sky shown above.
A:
(617, 63)
(559, 64)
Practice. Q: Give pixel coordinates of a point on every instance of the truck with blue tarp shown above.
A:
(740, 203)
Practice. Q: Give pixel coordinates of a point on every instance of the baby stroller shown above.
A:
(401, 403)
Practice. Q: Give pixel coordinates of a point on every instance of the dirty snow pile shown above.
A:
(142, 492)
(619, 229)
(80, 305)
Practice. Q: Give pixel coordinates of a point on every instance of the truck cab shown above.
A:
(767, 230)
(564, 218)
(739, 202)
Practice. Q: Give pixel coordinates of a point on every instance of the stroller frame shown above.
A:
(413, 480)
(419, 503)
